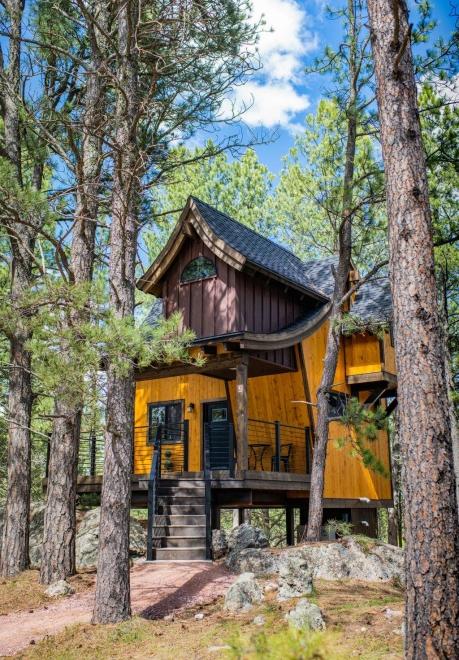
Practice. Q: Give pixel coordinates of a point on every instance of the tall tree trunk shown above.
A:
(341, 279)
(112, 602)
(395, 513)
(431, 524)
(58, 560)
(15, 546)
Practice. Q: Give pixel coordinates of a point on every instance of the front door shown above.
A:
(218, 433)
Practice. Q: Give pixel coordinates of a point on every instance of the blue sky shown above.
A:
(280, 95)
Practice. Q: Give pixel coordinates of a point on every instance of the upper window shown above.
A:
(198, 269)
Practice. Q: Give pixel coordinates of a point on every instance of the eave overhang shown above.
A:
(191, 219)
(258, 341)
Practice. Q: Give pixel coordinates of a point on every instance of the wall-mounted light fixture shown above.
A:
(190, 407)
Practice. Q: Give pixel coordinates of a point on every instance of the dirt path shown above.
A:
(156, 590)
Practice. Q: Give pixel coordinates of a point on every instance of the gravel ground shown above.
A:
(157, 589)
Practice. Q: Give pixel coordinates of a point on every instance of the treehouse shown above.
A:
(236, 430)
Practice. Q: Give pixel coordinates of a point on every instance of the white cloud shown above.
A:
(270, 104)
(274, 97)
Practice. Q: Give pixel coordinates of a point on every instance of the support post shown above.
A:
(216, 517)
(241, 416)
(290, 524)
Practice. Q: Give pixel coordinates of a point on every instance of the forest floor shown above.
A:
(363, 620)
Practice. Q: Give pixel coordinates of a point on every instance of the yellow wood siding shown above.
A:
(363, 354)
(271, 398)
(191, 389)
(345, 475)
(389, 355)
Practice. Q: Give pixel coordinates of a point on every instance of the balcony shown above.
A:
(273, 447)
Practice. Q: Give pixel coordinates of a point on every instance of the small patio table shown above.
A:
(257, 450)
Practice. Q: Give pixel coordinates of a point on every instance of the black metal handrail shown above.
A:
(153, 481)
(207, 490)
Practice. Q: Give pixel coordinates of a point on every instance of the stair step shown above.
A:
(178, 491)
(181, 509)
(182, 554)
(182, 541)
(186, 501)
(182, 483)
(188, 531)
(171, 520)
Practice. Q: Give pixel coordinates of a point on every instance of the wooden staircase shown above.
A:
(179, 525)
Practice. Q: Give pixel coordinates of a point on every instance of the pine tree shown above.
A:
(431, 523)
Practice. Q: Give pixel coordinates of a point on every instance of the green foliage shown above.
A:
(338, 527)
(363, 425)
(365, 542)
(351, 324)
(286, 644)
(309, 198)
(240, 188)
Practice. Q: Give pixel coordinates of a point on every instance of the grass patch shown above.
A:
(365, 542)
(288, 644)
(24, 591)
(354, 613)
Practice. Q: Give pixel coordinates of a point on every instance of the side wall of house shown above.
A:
(345, 475)
(232, 301)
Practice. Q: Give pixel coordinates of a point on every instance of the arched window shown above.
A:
(198, 269)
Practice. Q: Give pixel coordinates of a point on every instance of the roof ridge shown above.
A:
(257, 234)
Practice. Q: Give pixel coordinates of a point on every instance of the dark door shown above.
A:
(216, 426)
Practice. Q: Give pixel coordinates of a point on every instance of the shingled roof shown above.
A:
(257, 249)
(373, 301)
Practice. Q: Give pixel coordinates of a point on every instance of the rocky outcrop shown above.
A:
(246, 536)
(87, 538)
(253, 560)
(359, 559)
(243, 593)
(219, 543)
(306, 615)
(59, 588)
(295, 576)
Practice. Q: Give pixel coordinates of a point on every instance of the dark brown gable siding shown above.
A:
(230, 302)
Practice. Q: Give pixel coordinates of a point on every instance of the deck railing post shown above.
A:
(92, 455)
(277, 431)
(207, 492)
(231, 449)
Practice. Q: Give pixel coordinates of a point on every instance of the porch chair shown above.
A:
(285, 457)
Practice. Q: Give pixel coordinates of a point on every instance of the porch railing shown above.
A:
(91, 454)
(272, 447)
(276, 447)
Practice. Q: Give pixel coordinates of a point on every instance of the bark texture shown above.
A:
(112, 602)
(341, 280)
(431, 527)
(395, 514)
(15, 546)
(58, 561)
